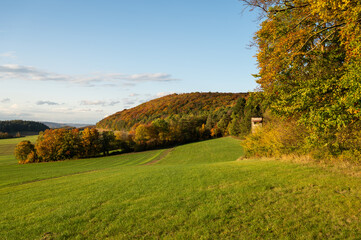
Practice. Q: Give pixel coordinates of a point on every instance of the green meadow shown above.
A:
(201, 190)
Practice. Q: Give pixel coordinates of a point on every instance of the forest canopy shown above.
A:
(14, 126)
(172, 107)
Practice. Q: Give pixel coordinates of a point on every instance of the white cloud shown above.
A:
(14, 71)
(13, 112)
(153, 77)
(8, 55)
(162, 94)
(14, 106)
(13, 116)
(136, 99)
(47, 103)
(53, 114)
(5, 100)
(99, 103)
(128, 102)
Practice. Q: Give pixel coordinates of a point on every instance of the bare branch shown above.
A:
(318, 32)
(254, 5)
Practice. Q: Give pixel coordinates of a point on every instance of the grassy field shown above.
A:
(7, 147)
(195, 191)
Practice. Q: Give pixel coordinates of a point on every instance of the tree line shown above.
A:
(61, 144)
(14, 128)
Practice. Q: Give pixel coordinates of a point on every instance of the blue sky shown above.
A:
(79, 61)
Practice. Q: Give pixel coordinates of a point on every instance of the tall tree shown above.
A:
(309, 60)
(91, 144)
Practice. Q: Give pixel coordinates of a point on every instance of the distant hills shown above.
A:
(32, 127)
(63, 125)
(18, 127)
(172, 106)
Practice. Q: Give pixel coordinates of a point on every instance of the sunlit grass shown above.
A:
(198, 191)
(7, 146)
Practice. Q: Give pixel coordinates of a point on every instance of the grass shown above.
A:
(7, 147)
(196, 191)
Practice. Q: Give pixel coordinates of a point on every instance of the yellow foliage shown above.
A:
(276, 139)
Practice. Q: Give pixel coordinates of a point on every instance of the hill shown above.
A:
(14, 126)
(65, 125)
(174, 105)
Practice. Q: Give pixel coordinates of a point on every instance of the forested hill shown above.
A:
(173, 106)
(14, 126)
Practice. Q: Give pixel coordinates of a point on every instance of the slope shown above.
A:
(171, 106)
(209, 196)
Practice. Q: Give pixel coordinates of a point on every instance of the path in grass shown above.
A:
(161, 156)
(198, 191)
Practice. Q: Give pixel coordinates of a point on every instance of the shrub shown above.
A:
(4, 135)
(32, 157)
(276, 138)
(24, 151)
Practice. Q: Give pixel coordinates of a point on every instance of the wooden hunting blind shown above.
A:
(256, 123)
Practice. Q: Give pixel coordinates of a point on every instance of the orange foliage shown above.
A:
(171, 105)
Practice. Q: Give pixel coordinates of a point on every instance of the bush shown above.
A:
(25, 152)
(4, 135)
(279, 138)
(276, 138)
(32, 157)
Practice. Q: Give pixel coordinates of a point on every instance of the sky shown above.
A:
(79, 61)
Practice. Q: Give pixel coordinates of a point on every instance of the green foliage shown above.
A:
(108, 142)
(235, 127)
(15, 126)
(284, 137)
(243, 111)
(309, 55)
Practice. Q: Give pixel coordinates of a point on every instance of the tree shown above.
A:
(14, 126)
(161, 128)
(90, 140)
(141, 137)
(223, 125)
(107, 142)
(309, 55)
(48, 145)
(70, 144)
(25, 152)
(58, 144)
(234, 127)
(238, 108)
